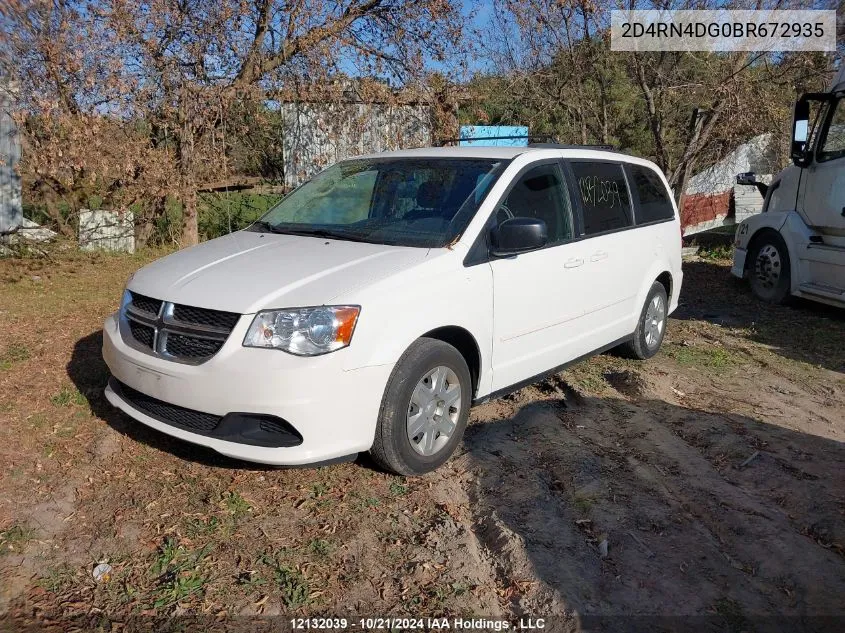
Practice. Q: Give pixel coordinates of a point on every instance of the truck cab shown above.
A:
(796, 246)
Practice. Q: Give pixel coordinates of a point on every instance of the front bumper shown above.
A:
(334, 408)
(738, 268)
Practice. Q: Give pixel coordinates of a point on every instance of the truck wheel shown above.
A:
(768, 268)
(651, 326)
(424, 410)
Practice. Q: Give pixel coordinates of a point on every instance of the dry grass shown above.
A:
(187, 531)
(183, 528)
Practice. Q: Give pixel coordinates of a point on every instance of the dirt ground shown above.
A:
(703, 488)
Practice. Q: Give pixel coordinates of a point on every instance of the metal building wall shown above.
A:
(10, 153)
(319, 134)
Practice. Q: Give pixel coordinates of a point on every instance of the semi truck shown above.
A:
(796, 246)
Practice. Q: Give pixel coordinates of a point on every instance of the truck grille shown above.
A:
(177, 332)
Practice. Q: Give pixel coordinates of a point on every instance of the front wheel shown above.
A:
(651, 326)
(769, 268)
(424, 410)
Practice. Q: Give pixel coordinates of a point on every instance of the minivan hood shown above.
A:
(247, 271)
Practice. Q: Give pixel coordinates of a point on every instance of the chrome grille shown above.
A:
(177, 332)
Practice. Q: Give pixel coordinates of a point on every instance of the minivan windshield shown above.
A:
(422, 202)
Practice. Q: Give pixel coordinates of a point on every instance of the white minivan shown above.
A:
(375, 304)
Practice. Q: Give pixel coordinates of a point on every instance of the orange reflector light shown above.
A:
(346, 319)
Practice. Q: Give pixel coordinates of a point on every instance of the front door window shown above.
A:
(833, 141)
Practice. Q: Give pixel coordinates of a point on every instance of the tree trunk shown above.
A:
(146, 223)
(144, 231)
(185, 152)
(190, 233)
(682, 173)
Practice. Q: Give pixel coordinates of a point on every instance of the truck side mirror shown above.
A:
(750, 178)
(746, 178)
(801, 133)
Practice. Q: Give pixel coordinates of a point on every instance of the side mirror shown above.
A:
(750, 178)
(518, 235)
(800, 133)
(746, 178)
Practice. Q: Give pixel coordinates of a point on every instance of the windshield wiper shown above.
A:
(327, 233)
(309, 232)
(265, 226)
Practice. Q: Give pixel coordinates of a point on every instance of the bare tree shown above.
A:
(553, 70)
(177, 68)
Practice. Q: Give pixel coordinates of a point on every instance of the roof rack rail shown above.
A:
(530, 139)
(605, 148)
(548, 142)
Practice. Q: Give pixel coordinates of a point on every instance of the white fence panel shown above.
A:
(107, 230)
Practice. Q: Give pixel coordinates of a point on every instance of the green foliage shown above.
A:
(68, 396)
(57, 578)
(716, 252)
(15, 353)
(13, 539)
(731, 612)
(319, 489)
(251, 581)
(236, 505)
(320, 547)
(704, 356)
(292, 584)
(178, 572)
(222, 213)
(398, 489)
(199, 527)
(586, 94)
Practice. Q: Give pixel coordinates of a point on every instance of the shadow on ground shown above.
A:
(694, 525)
(802, 330)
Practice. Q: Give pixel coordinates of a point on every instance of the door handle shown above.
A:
(573, 263)
(598, 256)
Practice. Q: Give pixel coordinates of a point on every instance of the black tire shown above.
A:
(768, 266)
(638, 346)
(392, 448)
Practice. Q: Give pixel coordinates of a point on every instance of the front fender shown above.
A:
(397, 310)
(748, 229)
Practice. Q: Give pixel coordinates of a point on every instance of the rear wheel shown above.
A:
(424, 410)
(651, 327)
(768, 268)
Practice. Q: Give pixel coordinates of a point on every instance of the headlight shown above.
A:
(124, 301)
(127, 297)
(303, 331)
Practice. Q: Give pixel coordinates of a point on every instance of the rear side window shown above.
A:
(604, 196)
(654, 202)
